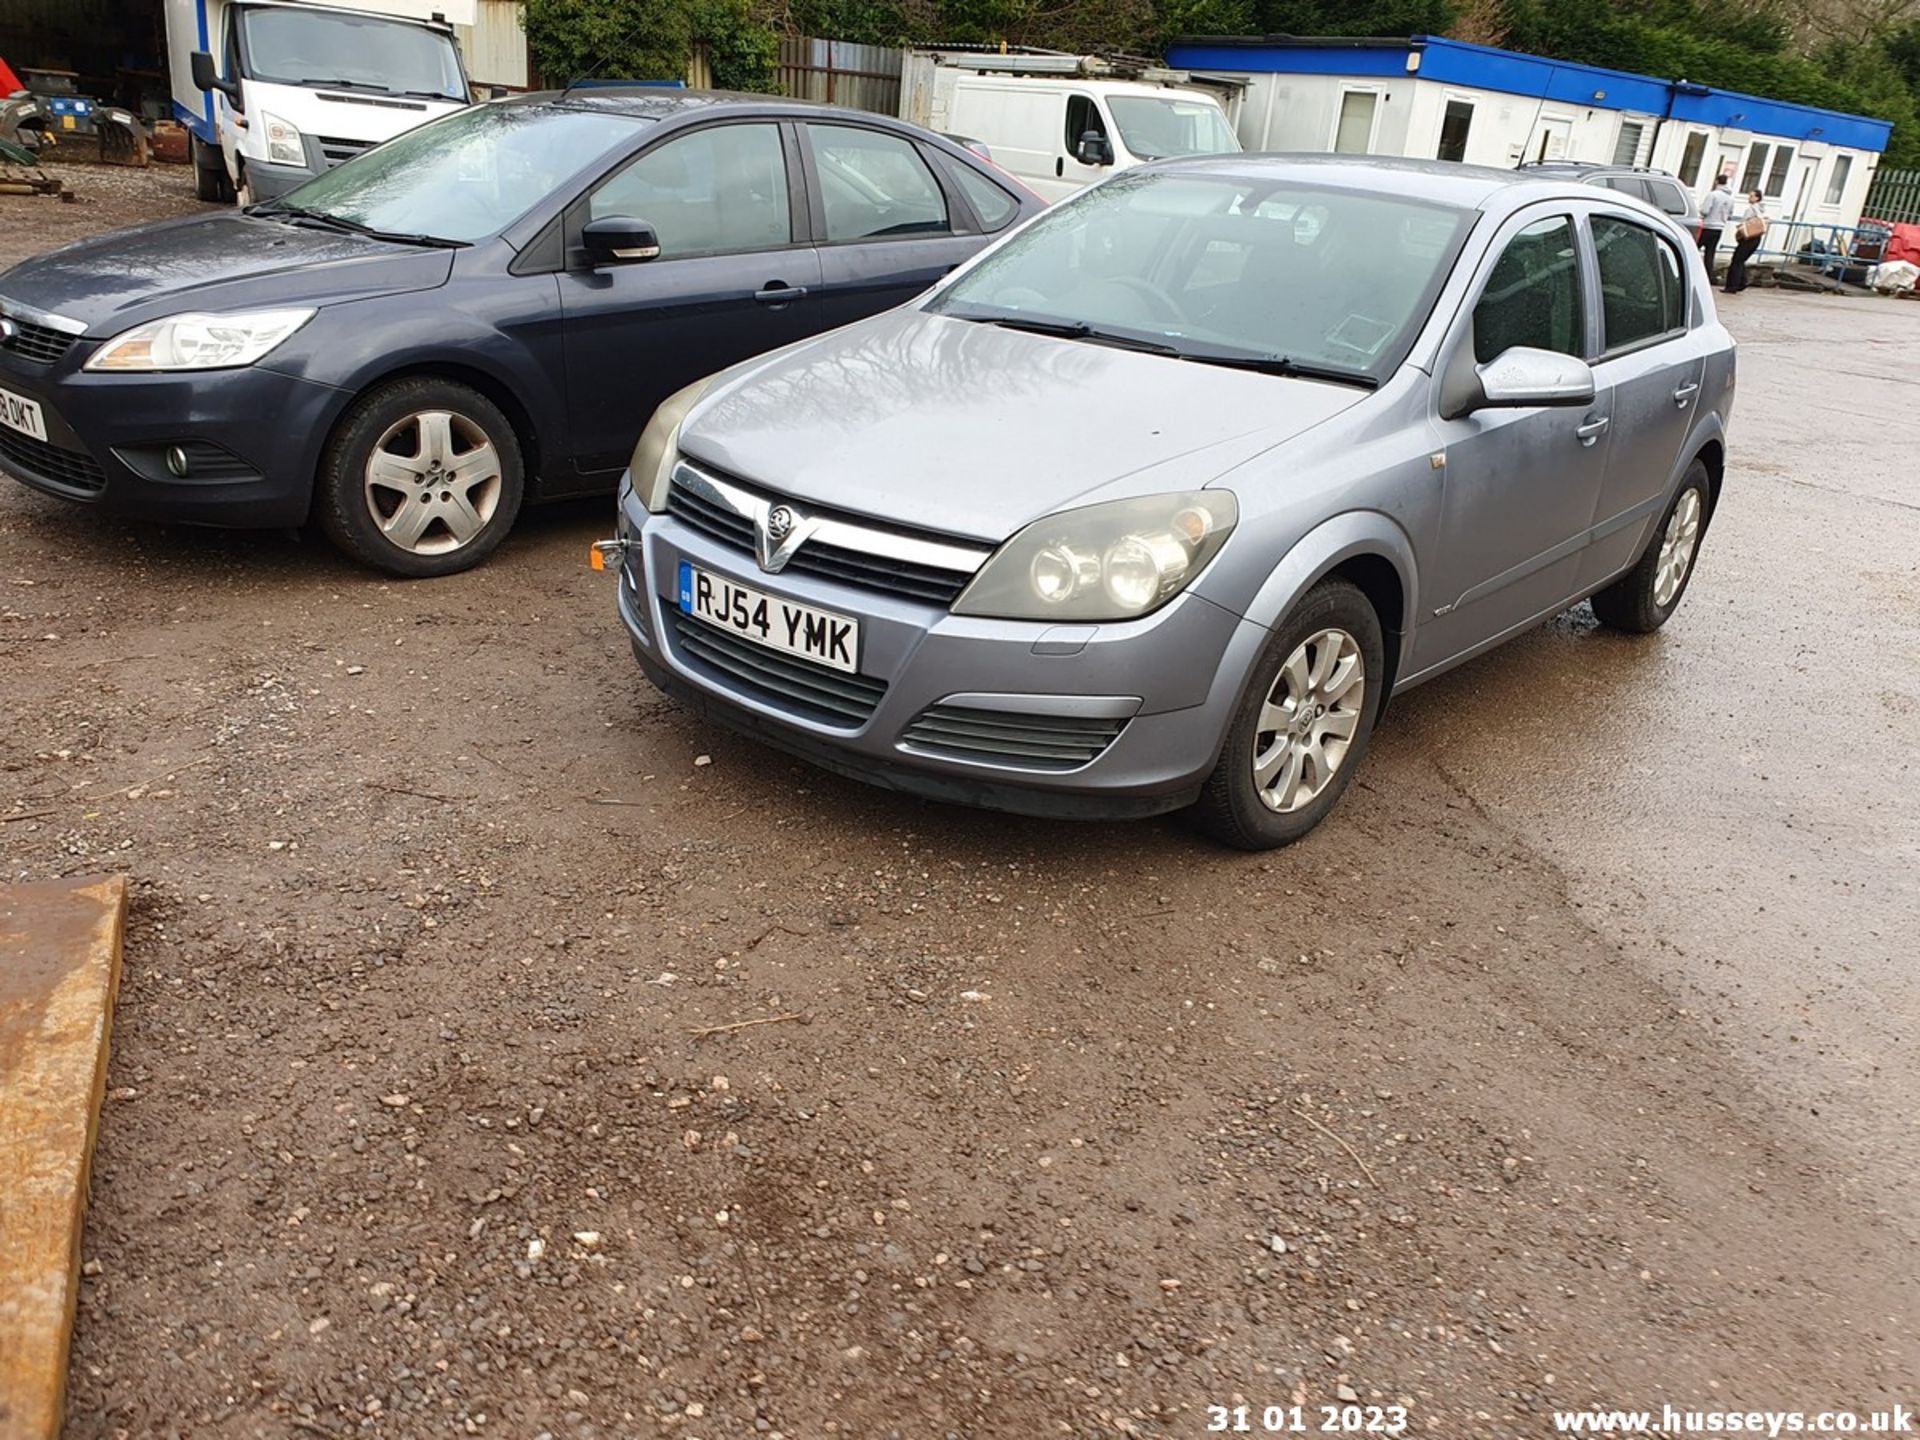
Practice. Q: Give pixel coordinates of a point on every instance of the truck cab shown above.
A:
(1059, 123)
(277, 91)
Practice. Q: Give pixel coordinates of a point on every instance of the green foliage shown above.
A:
(1354, 17)
(1697, 42)
(651, 40)
(614, 39)
(742, 49)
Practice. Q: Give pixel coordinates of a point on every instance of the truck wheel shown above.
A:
(210, 181)
(423, 477)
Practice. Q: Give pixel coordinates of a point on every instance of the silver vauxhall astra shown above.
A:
(1156, 502)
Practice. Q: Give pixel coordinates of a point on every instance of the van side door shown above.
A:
(1021, 122)
(1085, 116)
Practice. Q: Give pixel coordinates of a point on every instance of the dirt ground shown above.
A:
(1569, 1064)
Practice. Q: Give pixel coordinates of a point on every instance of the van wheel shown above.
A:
(1303, 723)
(423, 477)
(210, 181)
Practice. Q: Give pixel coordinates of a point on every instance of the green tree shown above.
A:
(650, 40)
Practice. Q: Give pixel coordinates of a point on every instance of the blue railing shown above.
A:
(1831, 249)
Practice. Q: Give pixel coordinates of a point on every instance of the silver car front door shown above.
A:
(1652, 358)
(1520, 485)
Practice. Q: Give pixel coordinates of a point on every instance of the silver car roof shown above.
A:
(1439, 182)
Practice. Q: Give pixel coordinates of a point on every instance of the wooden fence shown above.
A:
(866, 77)
(1895, 196)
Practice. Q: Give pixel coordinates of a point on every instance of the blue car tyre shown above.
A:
(1302, 725)
(423, 477)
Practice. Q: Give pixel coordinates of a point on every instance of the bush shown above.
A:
(650, 40)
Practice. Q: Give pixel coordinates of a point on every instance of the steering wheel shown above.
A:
(1158, 301)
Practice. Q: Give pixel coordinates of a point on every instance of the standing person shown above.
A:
(1714, 215)
(1746, 239)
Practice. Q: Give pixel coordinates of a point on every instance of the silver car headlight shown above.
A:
(659, 446)
(198, 342)
(1115, 561)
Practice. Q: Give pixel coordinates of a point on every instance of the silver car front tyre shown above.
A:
(1302, 725)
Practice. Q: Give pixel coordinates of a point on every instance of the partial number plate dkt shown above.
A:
(816, 635)
(17, 412)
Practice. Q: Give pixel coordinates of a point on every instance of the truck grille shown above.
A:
(829, 696)
(337, 149)
(41, 344)
(1029, 742)
(38, 460)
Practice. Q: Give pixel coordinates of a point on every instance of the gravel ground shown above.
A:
(1496, 1096)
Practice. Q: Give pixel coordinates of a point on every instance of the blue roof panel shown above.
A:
(1511, 72)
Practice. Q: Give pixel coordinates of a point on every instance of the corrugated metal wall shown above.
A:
(866, 77)
(495, 46)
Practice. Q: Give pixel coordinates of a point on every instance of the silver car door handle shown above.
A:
(1590, 431)
(1685, 393)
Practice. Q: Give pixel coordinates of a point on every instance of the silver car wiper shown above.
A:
(1282, 365)
(1074, 330)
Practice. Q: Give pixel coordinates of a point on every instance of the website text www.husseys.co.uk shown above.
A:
(1669, 1420)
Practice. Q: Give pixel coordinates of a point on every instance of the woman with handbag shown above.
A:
(1747, 236)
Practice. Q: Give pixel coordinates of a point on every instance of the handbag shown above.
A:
(1753, 227)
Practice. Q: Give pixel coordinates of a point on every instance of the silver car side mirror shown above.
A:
(1525, 376)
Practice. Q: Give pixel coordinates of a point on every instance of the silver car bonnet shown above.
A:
(975, 430)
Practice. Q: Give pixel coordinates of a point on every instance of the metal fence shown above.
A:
(866, 77)
(1895, 196)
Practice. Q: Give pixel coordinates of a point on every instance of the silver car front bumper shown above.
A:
(1112, 720)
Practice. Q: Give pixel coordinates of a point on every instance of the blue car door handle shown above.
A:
(777, 293)
(1590, 431)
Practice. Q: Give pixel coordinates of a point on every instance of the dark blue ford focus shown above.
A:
(481, 312)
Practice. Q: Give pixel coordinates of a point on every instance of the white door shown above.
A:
(1550, 140)
(1353, 127)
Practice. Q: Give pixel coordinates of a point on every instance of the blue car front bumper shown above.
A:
(249, 438)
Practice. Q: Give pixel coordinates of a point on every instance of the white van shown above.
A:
(1058, 123)
(278, 91)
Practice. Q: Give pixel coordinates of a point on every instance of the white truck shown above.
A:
(1060, 122)
(277, 91)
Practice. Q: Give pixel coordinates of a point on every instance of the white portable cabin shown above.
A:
(1433, 98)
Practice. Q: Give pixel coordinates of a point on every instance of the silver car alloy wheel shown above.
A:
(1308, 722)
(433, 482)
(1677, 545)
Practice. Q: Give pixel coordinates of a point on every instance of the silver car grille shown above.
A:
(834, 546)
(793, 684)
